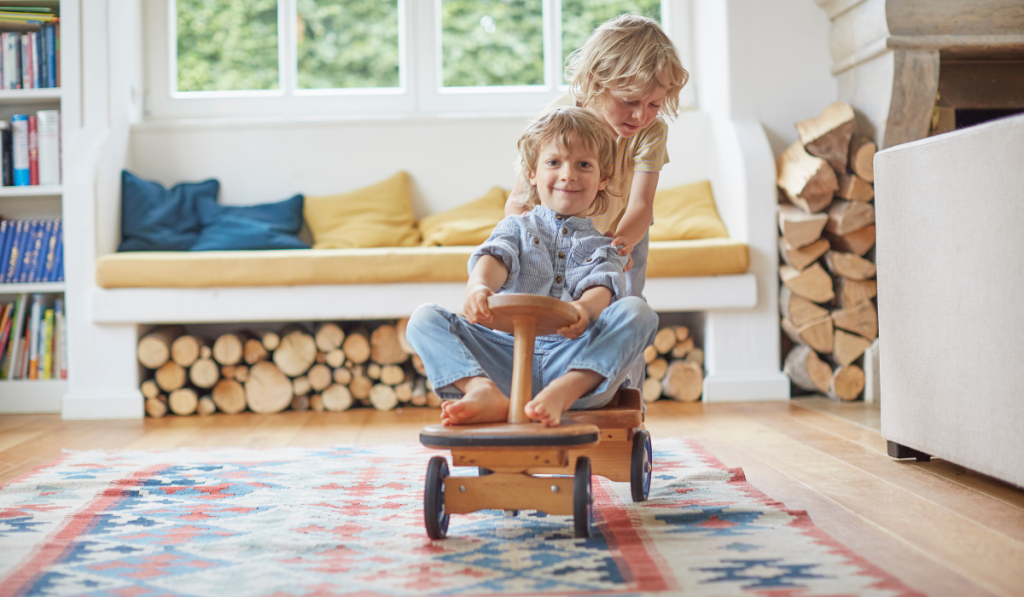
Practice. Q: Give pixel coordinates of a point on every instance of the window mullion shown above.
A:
(287, 46)
(426, 46)
(172, 46)
(552, 11)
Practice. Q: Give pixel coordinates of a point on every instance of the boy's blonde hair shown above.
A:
(629, 54)
(567, 126)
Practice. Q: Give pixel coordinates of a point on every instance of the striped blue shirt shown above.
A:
(552, 255)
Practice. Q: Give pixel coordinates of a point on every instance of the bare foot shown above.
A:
(547, 407)
(483, 403)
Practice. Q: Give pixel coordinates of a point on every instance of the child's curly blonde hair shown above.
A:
(630, 54)
(567, 126)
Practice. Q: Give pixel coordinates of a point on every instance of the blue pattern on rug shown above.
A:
(348, 520)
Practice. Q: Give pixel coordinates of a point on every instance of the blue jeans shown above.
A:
(453, 349)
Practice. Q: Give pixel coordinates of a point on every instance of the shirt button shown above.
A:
(536, 241)
(565, 231)
(588, 259)
(561, 254)
(558, 279)
(558, 217)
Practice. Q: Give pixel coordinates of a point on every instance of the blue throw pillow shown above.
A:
(156, 219)
(250, 227)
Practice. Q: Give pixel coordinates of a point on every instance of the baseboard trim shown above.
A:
(113, 404)
(726, 387)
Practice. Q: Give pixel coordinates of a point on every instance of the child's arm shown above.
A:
(592, 302)
(515, 205)
(488, 275)
(639, 212)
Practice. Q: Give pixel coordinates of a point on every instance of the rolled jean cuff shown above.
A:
(445, 387)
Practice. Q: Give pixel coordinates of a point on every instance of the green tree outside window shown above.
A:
(492, 43)
(227, 45)
(347, 44)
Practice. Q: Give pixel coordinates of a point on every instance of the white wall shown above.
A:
(451, 160)
(778, 63)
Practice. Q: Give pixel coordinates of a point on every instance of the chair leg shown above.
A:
(897, 450)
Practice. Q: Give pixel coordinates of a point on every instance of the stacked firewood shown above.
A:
(675, 367)
(268, 372)
(827, 226)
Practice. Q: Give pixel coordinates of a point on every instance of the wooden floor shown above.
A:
(941, 529)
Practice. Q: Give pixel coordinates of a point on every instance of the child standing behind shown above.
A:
(627, 73)
(552, 250)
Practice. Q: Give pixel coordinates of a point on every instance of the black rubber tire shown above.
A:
(582, 498)
(641, 466)
(434, 514)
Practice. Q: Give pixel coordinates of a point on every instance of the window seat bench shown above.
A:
(340, 284)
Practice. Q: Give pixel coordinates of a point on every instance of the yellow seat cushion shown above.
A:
(686, 212)
(382, 265)
(379, 215)
(468, 224)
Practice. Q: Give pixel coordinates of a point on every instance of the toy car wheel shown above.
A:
(641, 467)
(582, 498)
(434, 513)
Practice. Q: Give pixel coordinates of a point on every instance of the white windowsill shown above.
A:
(293, 120)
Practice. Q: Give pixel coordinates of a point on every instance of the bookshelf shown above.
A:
(34, 202)
(36, 191)
(17, 96)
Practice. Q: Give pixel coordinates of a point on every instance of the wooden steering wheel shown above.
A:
(526, 316)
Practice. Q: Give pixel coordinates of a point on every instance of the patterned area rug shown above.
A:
(349, 521)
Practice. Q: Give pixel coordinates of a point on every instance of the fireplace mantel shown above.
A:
(886, 55)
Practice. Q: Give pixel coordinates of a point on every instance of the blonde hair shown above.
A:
(567, 126)
(630, 54)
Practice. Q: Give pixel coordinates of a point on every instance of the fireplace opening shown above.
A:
(970, 117)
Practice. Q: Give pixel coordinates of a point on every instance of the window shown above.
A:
(478, 52)
(353, 58)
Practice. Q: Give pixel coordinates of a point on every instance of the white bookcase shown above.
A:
(38, 202)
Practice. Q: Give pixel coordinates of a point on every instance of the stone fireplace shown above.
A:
(913, 68)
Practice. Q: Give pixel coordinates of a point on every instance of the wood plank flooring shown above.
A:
(940, 528)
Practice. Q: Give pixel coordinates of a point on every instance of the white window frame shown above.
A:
(419, 94)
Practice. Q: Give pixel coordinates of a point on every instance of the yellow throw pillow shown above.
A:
(686, 212)
(468, 224)
(379, 215)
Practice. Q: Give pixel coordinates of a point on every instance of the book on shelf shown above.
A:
(7, 164)
(5, 331)
(11, 365)
(33, 338)
(10, 58)
(14, 258)
(49, 147)
(29, 50)
(46, 345)
(57, 274)
(60, 341)
(31, 147)
(19, 125)
(33, 150)
(5, 249)
(31, 251)
(24, 241)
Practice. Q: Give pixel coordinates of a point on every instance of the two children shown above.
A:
(586, 173)
(627, 73)
(553, 250)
